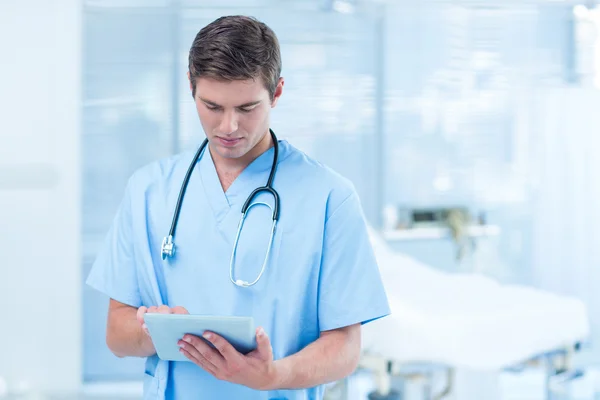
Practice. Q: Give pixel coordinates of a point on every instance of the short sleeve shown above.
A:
(113, 272)
(350, 286)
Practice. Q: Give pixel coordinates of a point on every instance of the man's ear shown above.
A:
(278, 92)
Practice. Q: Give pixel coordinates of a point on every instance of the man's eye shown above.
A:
(246, 110)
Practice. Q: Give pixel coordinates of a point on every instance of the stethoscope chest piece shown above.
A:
(168, 247)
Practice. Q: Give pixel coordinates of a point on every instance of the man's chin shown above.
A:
(230, 153)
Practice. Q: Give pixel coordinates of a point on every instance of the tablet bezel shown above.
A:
(167, 329)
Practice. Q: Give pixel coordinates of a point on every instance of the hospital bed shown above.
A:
(466, 321)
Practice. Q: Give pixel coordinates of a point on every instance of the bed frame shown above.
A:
(557, 363)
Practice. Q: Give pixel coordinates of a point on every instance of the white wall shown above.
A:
(40, 273)
(566, 255)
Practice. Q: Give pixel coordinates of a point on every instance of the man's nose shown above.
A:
(229, 123)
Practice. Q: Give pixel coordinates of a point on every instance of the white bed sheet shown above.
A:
(466, 320)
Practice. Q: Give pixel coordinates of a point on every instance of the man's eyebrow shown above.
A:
(213, 104)
(210, 103)
(252, 103)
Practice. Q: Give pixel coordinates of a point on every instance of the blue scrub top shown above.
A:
(322, 273)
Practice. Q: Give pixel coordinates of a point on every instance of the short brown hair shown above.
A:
(236, 48)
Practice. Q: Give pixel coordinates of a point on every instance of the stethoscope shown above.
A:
(168, 245)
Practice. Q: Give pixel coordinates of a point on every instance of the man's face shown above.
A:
(234, 115)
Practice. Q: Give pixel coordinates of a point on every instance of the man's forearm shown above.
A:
(125, 337)
(331, 357)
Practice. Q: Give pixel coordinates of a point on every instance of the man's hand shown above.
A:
(255, 370)
(160, 310)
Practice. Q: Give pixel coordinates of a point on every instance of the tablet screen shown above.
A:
(167, 329)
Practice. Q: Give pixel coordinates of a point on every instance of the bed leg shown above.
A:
(549, 374)
(382, 369)
(384, 389)
(428, 386)
(559, 370)
(391, 395)
(449, 385)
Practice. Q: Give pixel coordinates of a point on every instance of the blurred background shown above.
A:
(471, 130)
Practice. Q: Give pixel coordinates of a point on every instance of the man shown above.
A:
(320, 282)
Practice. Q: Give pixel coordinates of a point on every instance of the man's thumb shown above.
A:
(263, 343)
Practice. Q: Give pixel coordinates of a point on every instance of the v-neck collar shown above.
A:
(254, 175)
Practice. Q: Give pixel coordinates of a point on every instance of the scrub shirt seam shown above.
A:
(339, 207)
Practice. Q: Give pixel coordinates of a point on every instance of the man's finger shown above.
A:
(201, 362)
(164, 310)
(229, 353)
(204, 350)
(179, 310)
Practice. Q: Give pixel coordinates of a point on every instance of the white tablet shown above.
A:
(167, 329)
